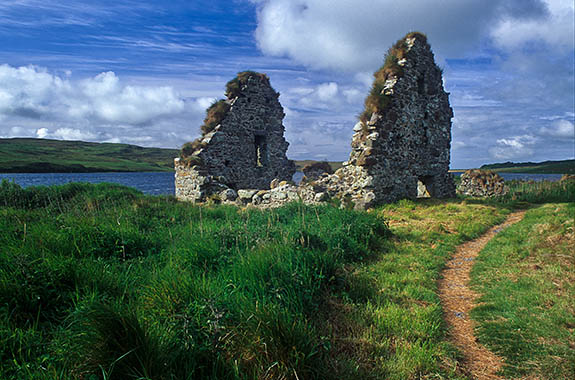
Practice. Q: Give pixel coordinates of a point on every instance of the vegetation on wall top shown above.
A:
(217, 112)
(377, 100)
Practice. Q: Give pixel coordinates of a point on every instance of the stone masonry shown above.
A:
(481, 183)
(246, 150)
(402, 150)
(400, 146)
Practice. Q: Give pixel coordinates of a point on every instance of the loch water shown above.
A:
(162, 183)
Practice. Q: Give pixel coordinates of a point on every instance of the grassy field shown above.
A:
(546, 167)
(527, 278)
(23, 155)
(100, 281)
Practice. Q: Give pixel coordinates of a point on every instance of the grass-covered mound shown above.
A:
(377, 100)
(99, 280)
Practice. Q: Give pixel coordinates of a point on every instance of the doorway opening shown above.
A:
(425, 187)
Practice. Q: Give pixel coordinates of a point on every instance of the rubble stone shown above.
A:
(481, 183)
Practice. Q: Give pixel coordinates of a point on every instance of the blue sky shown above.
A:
(143, 72)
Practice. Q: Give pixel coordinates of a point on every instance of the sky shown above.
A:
(144, 71)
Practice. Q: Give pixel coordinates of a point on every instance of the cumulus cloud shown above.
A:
(96, 108)
(354, 35)
(33, 93)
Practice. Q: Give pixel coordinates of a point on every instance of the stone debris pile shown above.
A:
(481, 183)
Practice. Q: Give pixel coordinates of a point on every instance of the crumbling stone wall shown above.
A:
(402, 142)
(400, 146)
(245, 150)
(481, 183)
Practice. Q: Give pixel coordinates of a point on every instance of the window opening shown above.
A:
(261, 151)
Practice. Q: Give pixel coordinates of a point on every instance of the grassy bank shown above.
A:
(546, 167)
(100, 281)
(527, 278)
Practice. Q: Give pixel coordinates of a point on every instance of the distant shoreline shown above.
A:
(29, 155)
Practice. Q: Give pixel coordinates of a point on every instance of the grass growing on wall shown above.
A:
(377, 101)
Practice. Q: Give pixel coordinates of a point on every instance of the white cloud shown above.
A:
(517, 147)
(32, 93)
(556, 30)
(42, 133)
(560, 128)
(354, 35)
(327, 91)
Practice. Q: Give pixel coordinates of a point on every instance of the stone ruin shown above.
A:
(400, 146)
(242, 145)
(481, 183)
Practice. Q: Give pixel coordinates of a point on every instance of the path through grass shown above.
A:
(527, 277)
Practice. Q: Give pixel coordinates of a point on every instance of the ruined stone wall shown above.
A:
(400, 147)
(407, 140)
(247, 150)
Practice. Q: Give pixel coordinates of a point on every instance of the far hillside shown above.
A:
(28, 155)
(546, 167)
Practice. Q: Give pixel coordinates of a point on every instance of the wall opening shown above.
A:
(425, 187)
(261, 151)
(421, 85)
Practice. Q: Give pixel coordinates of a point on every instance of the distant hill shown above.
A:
(26, 155)
(546, 167)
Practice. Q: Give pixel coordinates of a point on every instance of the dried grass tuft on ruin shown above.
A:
(481, 183)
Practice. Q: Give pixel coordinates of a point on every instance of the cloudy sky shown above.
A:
(143, 71)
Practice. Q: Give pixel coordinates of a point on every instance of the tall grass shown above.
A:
(520, 193)
(99, 280)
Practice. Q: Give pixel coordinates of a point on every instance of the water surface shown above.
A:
(155, 183)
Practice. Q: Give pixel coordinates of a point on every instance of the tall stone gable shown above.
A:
(401, 146)
(245, 150)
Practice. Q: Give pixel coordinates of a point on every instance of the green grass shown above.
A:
(386, 321)
(22, 155)
(521, 194)
(102, 281)
(527, 278)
